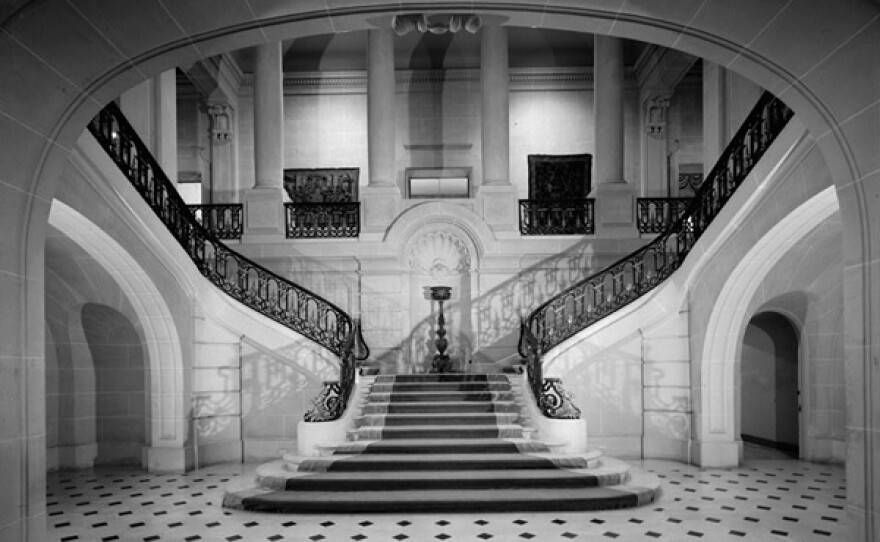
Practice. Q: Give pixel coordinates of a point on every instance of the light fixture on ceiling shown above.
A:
(404, 24)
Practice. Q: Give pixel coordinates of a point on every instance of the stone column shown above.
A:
(614, 196)
(151, 109)
(496, 196)
(714, 113)
(381, 197)
(494, 79)
(264, 216)
(381, 91)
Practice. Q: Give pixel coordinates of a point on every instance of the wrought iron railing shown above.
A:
(614, 287)
(547, 217)
(322, 220)
(224, 220)
(331, 402)
(245, 280)
(654, 215)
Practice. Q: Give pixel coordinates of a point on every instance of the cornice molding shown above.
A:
(355, 81)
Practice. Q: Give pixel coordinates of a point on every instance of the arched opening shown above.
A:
(770, 387)
(119, 362)
(723, 42)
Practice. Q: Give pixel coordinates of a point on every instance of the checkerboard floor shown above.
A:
(765, 499)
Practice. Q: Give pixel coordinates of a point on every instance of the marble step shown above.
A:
(442, 418)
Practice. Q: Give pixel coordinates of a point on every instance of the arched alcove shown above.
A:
(159, 342)
(120, 393)
(717, 432)
(770, 384)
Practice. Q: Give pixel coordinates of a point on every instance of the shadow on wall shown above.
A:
(487, 329)
(278, 387)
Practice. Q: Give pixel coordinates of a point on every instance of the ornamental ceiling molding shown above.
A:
(440, 254)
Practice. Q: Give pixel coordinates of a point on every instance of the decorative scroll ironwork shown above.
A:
(548, 217)
(243, 279)
(556, 402)
(654, 215)
(322, 220)
(328, 405)
(224, 220)
(331, 402)
(624, 281)
(549, 394)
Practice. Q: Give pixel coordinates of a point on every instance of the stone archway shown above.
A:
(819, 57)
(167, 434)
(717, 439)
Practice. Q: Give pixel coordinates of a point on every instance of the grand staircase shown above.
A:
(442, 442)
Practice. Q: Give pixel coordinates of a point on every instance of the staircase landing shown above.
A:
(442, 443)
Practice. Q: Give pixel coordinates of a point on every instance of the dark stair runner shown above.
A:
(450, 443)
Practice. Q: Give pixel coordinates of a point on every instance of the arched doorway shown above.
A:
(770, 387)
(119, 361)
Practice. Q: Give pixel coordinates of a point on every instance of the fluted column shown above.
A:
(264, 211)
(494, 78)
(615, 203)
(268, 117)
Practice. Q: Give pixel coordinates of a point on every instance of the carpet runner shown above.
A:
(450, 443)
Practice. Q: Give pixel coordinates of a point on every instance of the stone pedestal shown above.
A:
(264, 215)
(615, 211)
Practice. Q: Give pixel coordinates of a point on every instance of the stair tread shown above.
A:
(429, 427)
(446, 458)
(431, 415)
(446, 442)
(429, 500)
(531, 474)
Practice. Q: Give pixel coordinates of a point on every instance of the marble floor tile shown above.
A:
(764, 500)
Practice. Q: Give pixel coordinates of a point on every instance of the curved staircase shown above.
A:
(442, 442)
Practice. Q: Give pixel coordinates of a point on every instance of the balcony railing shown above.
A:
(547, 217)
(654, 215)
(224, 220)
(270, 294)
(614, 287)
(323, 220)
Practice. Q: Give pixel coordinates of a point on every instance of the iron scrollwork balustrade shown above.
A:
(654, 215)
(548, 217)
(624, 281)
(331, 402)
(224, 220)
(549, 394)
(243, 279)
(323, 219)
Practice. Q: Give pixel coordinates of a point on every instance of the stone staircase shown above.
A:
(447, 442)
